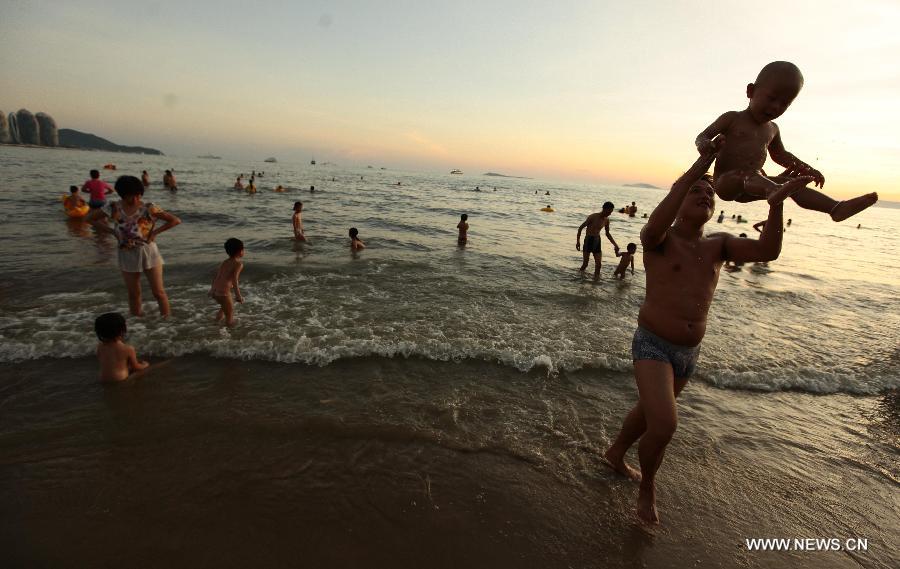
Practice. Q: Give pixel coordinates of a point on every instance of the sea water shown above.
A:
(822, 318)
(419, 404)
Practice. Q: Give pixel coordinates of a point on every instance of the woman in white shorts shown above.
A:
(134, 225)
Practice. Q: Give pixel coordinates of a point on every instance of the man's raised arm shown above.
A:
(663, 215)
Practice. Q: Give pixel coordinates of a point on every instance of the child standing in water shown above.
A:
(227, 278)
(627, 258)
(117, 359)
(463, 227)
(98, 190)
(145, 179)
(356, 244)
(169, 181)
(299, 235)
(742, 139)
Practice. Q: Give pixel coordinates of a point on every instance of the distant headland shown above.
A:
(505, 176)
(26, 129)
(641, 185)
(76, 139)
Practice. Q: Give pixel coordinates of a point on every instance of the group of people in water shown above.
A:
(682, 263)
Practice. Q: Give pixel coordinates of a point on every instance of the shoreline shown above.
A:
(410, 463)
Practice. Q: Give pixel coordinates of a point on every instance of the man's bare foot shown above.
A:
(849, 208)
(618, 464)
(784, 191)
(646, 506)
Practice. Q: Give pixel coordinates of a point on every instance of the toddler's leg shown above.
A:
(227, 309)
(752, 186)
(809, 198)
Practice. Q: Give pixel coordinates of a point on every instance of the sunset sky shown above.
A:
(598, 91)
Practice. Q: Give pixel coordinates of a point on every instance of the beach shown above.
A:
(422, 405)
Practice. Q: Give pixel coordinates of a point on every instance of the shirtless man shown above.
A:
(682, 267)
(594, 223)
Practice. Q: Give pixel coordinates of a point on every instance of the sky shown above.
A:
(606, 92)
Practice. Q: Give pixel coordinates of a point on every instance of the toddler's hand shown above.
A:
(817, 176)
(706, 146)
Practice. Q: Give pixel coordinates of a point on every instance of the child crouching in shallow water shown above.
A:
(226, 278)
(356, 244)
(627, 258)
(117, 359)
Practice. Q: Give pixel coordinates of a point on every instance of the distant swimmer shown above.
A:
(356, 244)
(73, 201)
(595, 223)
(682, 266)
(118, 360)
(312, 189)
(169, 182)
(548, 209)
(721, 216)
(145, 179)
(626, 258)
(859, 226)
(632, 210)
(741, 140)
(297, 220)
(238, 185)
(251, 186)
(789, 222)
(463, 227)
(279, 188)
(548, 193)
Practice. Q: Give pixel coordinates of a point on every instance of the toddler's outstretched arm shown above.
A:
(711, 139)
(794, 165)
(133, 363)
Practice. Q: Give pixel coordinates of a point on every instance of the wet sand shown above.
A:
(378, 462)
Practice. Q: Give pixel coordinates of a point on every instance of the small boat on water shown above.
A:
(456, 171)
(271, 160)
(210, 157)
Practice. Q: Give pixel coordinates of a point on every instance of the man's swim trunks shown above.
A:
(648, 346)
(591, 244)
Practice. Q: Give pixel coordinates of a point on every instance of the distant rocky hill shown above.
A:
(638, 185)
(504, 176)
(77, 139)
